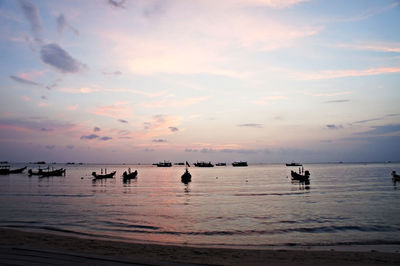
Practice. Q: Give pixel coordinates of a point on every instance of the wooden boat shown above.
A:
(300, 177)
(294, 164)
(220, 164)
(395, 176)
(110, 175)
(203, 164)
(18, 171)
(239, 164)
(57, 172)
(39, 172)
(186, 177)
(129, 175)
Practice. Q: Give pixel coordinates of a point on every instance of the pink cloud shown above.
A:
(32, 75)
(73, 107)
(116, 110)
(268, 99)
(385, 47)
(175, 104)
(331, 74)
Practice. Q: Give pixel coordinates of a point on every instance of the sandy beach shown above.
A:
(151, 254)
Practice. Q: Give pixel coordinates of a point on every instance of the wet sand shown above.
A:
(114, 252)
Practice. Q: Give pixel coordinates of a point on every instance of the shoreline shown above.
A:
(197, 255)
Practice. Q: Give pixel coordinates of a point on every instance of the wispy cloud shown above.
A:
(159, 140)
(105, 138)
(382, 130)
(50, 147)
(374, 119)
(24, 81)
(338, 101)
(334, 127)
(268, 99)
(90, 137)
(117, 4)
(330, 94)
(96, 129)
(73, 107)
(251, 125)
(248, 32)
(38, 124)
(175, 103)
(31, 13)
(332, 74)
(123, 121)
(173, 129)
(116, 110)
(159, 125)
(113, 73)
(279, 4)
(62, 24)
(55, 56)
(380, 47)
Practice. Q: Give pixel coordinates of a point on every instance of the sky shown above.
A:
(141, 81)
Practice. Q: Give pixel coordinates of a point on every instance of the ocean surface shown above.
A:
(256, 206)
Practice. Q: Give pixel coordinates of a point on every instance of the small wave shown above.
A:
(48, 195)
(50, 228)
(316, 230)
(268, 194)
(128, 225)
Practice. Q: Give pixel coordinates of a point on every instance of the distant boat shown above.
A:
(294, 164)
(220, 164)
(129, 175)
(238, 164)
(18, 171)
(395, 176)
(110, 175)
(186, 177)
(300, 177)
(203, 164)
(179, 163)
(164, 164)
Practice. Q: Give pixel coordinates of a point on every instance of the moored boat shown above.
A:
(4, 170)
(57, 172)
(164, 164)
(395, 176)
(294, 164)
(17, 171)
(300, 177)
(101, 176)
(31, 172)
(239, 164)
(129, 175)
(186, 177)
(220, 164)
(203, 164)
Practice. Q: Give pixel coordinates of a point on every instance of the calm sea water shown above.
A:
(255, 206)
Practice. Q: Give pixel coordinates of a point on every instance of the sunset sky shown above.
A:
(256, 80)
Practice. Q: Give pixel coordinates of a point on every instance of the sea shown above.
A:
(258, 206)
